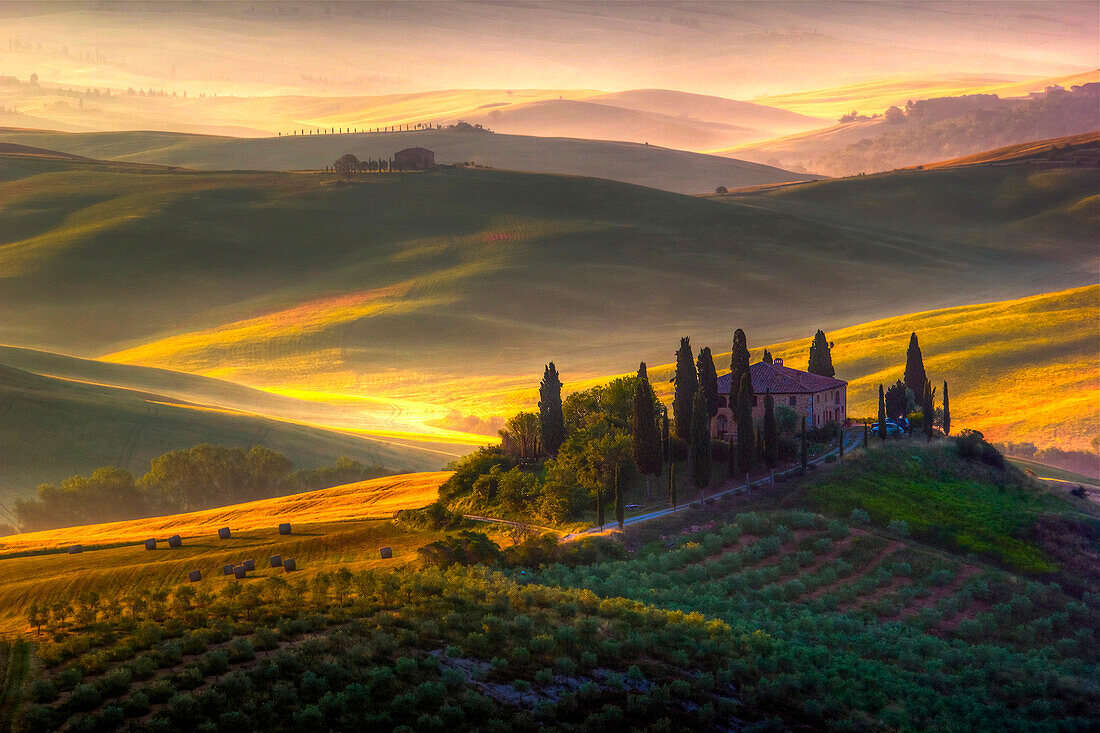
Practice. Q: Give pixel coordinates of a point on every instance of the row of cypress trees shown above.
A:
(916, 380)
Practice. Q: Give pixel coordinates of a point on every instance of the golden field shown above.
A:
(374, 499)
(340, 527)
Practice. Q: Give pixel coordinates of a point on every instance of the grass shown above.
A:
(339, 527)
(646, 165)
(470, 280)
(1052, 473)
(52, 428)
(968, 507)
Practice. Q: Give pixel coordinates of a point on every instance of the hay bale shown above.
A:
(223, 533)
(249, 565)
(275, 560)
(76, 549)
(386, 552)
(284, 528)
(227, 569)
(194, 576)
(175, 541)
(151, 544)
(289, 565)
(239, 572)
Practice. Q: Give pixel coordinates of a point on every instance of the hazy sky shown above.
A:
(735, 49)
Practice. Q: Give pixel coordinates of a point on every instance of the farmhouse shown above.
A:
(414, 159)
(819, 399)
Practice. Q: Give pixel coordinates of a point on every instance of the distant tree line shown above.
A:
(950, 127)
(202, 477)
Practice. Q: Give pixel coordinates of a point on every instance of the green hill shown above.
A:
(642, 164)
(470, 280)
(785, 610)
(52, 428)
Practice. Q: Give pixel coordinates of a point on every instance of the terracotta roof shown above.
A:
(782, 380)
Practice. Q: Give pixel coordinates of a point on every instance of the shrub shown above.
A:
(859, 516)
(85, 697)
(465, 548)
(241, 650)
(43, 691)
(837, 529)
(116, 682)
(898, 527)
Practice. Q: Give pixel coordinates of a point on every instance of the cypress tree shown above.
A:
(804, 450)
(771, 434)
(928, 410)
(700, 442)
(745, 448)
(666, 447)
(881, 413)
(708, 380)
(739, 366)
(821, 356)
(915, 376)
(687, 383)
(946, 412)
(620, 508)
(767, 357)
(551, 417)
(865, 432)
(645, 437)
(840, 429)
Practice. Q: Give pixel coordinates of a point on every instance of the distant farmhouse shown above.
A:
(414, 159)
(819, 399)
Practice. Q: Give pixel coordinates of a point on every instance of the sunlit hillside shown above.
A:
(646, 165)
(309, 288)
(1018, 370)
(52, 428)
(374, 499)
(340, 527)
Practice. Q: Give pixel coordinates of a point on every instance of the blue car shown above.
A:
(892, 428)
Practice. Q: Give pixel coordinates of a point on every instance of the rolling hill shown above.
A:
(645, 165)
(932, 129)
(658, 116)
(52, 428)
(434, 296)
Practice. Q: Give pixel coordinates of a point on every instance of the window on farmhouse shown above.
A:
(794, 401)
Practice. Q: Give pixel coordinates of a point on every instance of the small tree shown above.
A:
(915, 376)
(865, 433)
(686, 384)
(767, 357)
(551, 418)
(700, 443)
(708, 379)
(821, 356)
(520, 436)
(881, 413)
(946, 411)
(745, 448)
(739, 366)
(346, 165)
(721, 189)
(928, 410)
(771, 435)
(646, 439)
